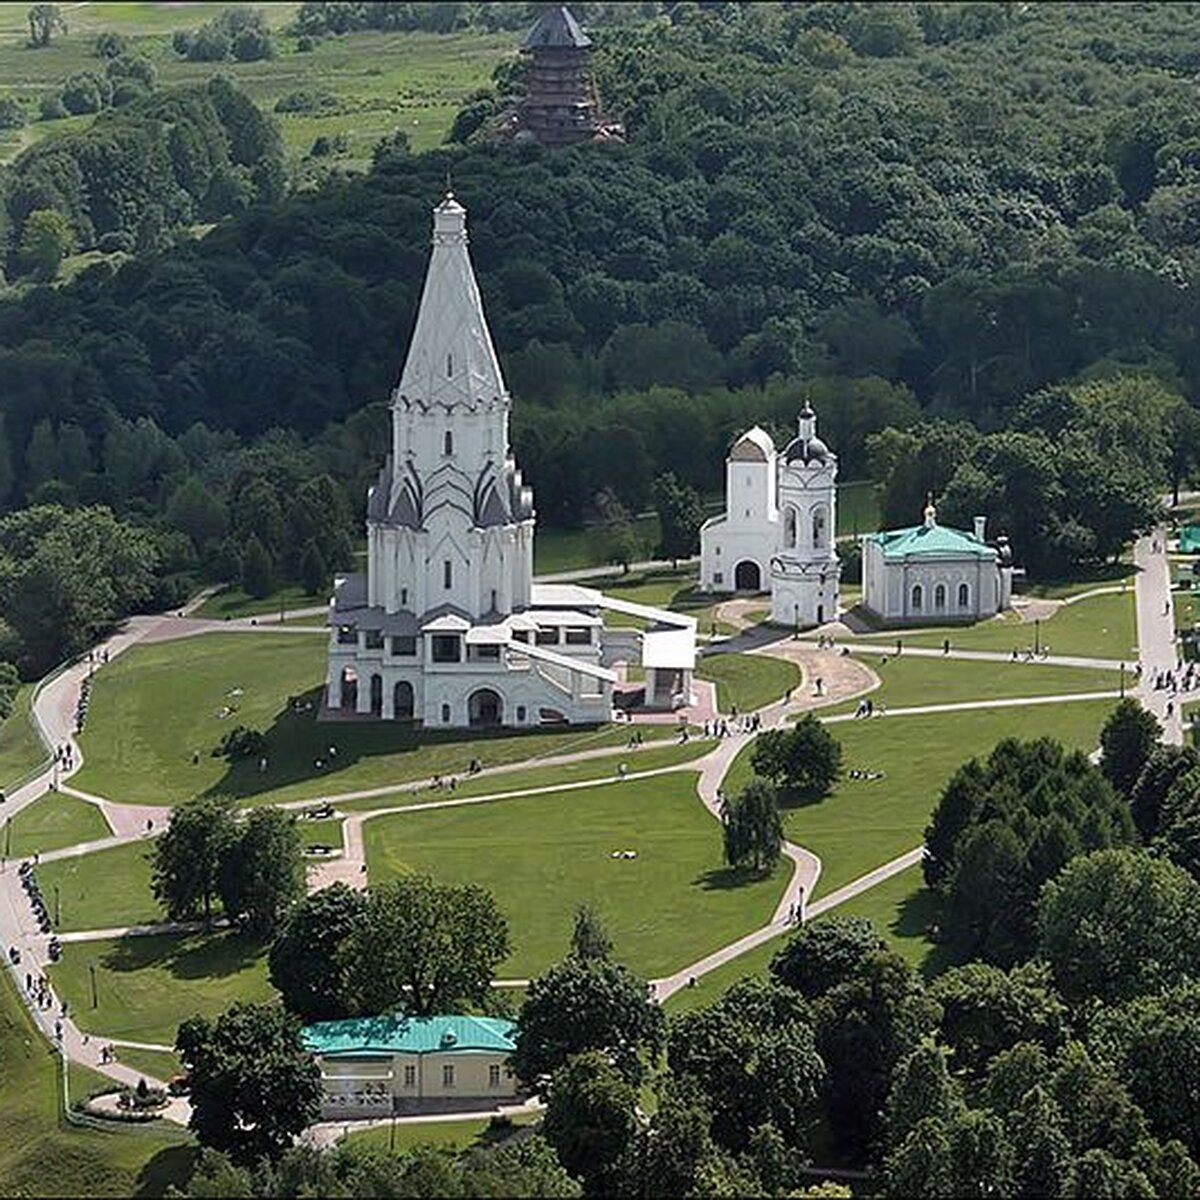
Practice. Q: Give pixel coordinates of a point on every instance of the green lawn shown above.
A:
(556, 550)
(716, 983)
(21, 749)
(102, 890)
(647, 758)
(156, 705)
(147, 985)
(51, 823)
(40, 1155)
(748, 681)
(857, 508)
(381, 81)
(1100, 576)
(232, 602)
(449, 1135)
(1099, 627)
(320, 833)
(158, 1064)
(541, 856)
(909, 680)
(865, 823)
(903, 911)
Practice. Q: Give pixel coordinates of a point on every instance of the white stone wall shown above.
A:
(889, 587)
(746, 531)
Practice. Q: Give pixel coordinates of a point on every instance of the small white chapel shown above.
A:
(447, 627)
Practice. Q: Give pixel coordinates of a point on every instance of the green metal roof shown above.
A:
(399, 1034)
(932, 541)
(1189, 539)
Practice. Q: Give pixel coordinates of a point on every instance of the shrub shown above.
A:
(240, 742)
(12, 113)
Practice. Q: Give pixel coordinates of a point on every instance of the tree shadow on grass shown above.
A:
(174, 1165)
(296, 742)
(190, 956)
(920, 916)
(726, 879)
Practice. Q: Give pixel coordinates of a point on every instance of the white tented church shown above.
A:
(777, 531)
(447, 627)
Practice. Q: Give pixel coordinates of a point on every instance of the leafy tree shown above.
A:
(195, 511)
(12, 112)
(986, 1010)
(425, 947)
(803, 762)
(258, 572)
(306, 963)
(45, 20)
(753, 828)
(1165, 766)
(591, 1118)
(1043, 1157)
(823, 953)
(1118, 923)
(1126, 743)
(254, 1086)
(680, 515)
(313, 572)
(45, 241)
(262, 870)
(752, 1054)
(921, 1089)
(110, 44)
(584, 1004)
(189, 854)
(865, 1026)
(589, 938)
(1098, 1173)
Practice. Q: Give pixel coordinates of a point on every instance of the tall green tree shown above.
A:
(254, 1088)
(824, 952)
(188, 856)
(425, 947)
(306, 962)
(45, 20)
(680, 515)
(589, 938)
(46, 240)
(1126, 743)
(262, 870)
(753, 828)
(258, 571)
(803, 762)
(586, 1004)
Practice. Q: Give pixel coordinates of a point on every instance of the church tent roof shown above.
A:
(556, 27)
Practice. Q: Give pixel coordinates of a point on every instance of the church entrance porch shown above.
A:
(485, 708)
(349, 689)
(403, 701)
(747, 577)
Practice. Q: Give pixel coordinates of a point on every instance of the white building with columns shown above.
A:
(447, 627)
(777, 531)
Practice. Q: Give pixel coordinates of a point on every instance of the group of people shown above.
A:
(868, 708)
(38, 986)
(862, 773)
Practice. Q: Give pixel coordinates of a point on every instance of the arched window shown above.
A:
(445, 714)
(939, 596)
(916, 597)
(789, 526)
(818, 527)
(964, 595)
(448, 443)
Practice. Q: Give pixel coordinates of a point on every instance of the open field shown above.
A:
(156, 705)
(147, 985)
(158, 1064)
(646, 758)
(557, 550)
(716, 983)
(748, 681)
(1099, 627)
(102, 890)
(903, 910)
(379, 82)
(21, 749)
(541, 856)
(865, 823)
(42, 1156)
(912, 681)
(320, 833)
(52, 823)
(232, 602)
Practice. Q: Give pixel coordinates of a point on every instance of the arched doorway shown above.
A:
(377, 695)
(402, 698)
(484, 707)
(349, 687)
(747, 577)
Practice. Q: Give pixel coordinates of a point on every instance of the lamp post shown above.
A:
(57, 907)
(1122, 681)
(1037, 636)
(92, 973)
(795, 622)
(8, 838)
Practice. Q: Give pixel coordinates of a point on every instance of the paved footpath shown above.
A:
(1156, 631)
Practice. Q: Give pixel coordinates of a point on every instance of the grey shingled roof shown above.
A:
(556, 27)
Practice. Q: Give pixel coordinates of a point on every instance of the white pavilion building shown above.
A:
(447, 627)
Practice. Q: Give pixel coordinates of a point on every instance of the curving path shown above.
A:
(842, 677)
